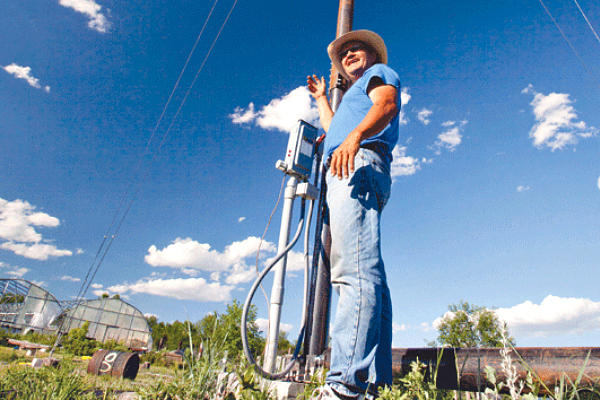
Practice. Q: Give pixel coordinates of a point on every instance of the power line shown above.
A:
(587, 20)
(566, 39)
(106, 243)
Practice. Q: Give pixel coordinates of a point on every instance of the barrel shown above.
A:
(114, 363)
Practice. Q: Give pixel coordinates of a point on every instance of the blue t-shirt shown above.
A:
(354, 107)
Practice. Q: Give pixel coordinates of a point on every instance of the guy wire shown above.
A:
(102, 248)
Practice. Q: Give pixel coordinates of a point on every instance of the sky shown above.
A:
(496, 175)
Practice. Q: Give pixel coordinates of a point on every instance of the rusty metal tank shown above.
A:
(114, 363)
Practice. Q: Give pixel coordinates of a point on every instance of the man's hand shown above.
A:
(316, 86)
(384, 108)
(342, 159)
(318, 90)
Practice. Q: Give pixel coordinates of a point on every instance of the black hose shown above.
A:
(246, 347)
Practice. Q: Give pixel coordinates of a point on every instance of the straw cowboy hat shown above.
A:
(371, 39)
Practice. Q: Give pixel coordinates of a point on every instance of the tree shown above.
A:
(224, 330)
(467, 325)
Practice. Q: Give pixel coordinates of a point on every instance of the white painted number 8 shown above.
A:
(108, 361)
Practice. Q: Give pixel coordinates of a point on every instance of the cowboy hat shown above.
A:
(371, 39)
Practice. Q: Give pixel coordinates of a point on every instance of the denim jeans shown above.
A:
(361, 336)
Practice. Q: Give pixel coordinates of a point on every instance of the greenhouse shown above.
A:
(110, 319)
(26, 307)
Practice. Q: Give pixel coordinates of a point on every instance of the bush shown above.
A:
(78, 344)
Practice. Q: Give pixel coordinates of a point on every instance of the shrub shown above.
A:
(78, 344)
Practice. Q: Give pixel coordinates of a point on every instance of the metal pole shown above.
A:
(278, 281)
(321, 287)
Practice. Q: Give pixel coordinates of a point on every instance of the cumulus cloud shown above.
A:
(21, 72)
(450, 138)
(522, 188)
(281, 113)
(404, 99)
(263, 325)
(398, 327)
(554, 315)
(96, 286)
(96, 20)
(13, 271)
(557, 125)
(598, 183)
(424, 115)
(69, 278)
(190, 256)
(18, 220)
(405, 165)
(241, 219)
(180, 288)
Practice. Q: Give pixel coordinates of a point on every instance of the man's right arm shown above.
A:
(318, 89)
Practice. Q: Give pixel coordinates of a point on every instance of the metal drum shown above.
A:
(115, 363)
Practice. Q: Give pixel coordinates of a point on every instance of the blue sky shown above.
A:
(496, 175)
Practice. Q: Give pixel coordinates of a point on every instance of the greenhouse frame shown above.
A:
(27, 307)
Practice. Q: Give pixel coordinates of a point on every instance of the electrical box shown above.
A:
(300, 150)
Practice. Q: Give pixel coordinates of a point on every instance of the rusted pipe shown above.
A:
(464, 368)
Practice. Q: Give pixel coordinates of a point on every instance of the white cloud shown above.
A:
(404, 99)
(69, 278)
(598, 183)
(243, 116)
(79, 251)
(451, 137)
(426, 327)
(13, 271)
(91, 9)
(17, 272)
(18, 220)
(522, 188)
(21, 72)
(263, 325)
(39, 283)
(398, 327)
(182, 253)
(295, 261)
(96, 286)
(37, 251)
(281, 113)
(554, 315)
(403, 164)
(424, 115)
(557, 124)
(182, 289)
(241, 219)
(150, 315)
(99, 292)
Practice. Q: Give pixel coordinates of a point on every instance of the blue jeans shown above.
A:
(361, 336)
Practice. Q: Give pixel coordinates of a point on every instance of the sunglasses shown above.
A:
(354, 49)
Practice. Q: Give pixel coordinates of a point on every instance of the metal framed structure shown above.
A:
(110, 319)
(25, 307)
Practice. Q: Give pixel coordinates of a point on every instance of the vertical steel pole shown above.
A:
(278, 280)
(321, 286)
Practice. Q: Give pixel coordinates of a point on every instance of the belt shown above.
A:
(378, 147)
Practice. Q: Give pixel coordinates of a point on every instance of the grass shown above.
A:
(208, 378)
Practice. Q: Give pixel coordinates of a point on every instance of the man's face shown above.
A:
(356, 58)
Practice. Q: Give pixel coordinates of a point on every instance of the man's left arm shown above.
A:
(384, 108)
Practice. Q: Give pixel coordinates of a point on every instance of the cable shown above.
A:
(566, 39)
(247, 304)
(587, 20)
(104, 247)
(263, 238)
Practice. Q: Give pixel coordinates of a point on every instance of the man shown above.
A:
(360, 138)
